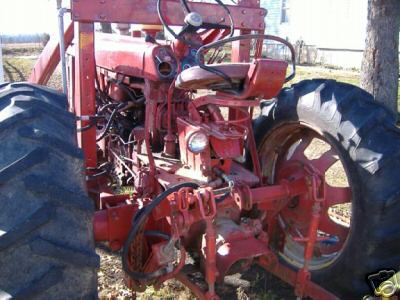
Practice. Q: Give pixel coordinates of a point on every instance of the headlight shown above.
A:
(197, 142)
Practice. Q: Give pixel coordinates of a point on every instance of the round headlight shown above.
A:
(197, 142)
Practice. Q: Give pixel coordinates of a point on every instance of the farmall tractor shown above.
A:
(158, 152)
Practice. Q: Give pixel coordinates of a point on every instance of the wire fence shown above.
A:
(305, 54)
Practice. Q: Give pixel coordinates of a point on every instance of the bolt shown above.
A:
(261, 13)
(244, 11)
(242, 24)
(102, 1)
(294, 202)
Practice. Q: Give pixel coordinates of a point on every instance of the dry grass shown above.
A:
(308, 72)
(112, 285)
(18, 62)
(22, 49)
(17, 69)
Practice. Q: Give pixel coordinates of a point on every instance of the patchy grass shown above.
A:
(19, 62)
(17, 69)
(22, 49)
(253, 284)
(309, 72)
(111, 284)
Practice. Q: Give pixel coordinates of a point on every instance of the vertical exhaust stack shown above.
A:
(61, 12)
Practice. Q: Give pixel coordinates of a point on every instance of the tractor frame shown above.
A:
(112, 221)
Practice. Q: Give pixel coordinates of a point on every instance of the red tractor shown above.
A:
(188, 184)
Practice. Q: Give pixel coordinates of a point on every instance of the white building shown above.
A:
(333, 30)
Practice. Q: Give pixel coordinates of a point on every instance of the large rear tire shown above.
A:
(46, 241)
(364, 135)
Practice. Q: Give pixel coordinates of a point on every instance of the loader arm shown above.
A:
(50, 57)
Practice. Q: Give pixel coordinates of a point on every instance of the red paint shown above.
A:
(112, 223)
(194, 218)
(138, 12)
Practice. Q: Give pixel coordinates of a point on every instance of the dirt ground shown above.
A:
(254, 284)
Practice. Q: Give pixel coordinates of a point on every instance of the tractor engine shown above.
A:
(140, 79)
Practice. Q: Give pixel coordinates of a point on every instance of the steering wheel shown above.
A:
(194, 22)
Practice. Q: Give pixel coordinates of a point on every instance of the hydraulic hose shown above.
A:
(109, 123)
(138, 221)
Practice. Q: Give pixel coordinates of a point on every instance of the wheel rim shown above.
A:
(296, 150)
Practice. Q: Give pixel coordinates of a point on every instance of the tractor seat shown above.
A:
(262, 78)
(196, 78)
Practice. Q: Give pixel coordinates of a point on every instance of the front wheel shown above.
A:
(46, 238)
(339, 133)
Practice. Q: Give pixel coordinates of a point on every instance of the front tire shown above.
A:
(46, 239)
(367, 141)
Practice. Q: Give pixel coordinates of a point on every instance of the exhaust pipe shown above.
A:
(61, 12)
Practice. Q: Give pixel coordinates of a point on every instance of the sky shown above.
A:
(28, 16)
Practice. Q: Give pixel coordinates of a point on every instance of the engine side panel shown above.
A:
(134, 57)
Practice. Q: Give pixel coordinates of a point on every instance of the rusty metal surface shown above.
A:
(145, 12)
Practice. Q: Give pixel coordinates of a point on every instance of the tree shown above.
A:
(106, 27)
(45, 38)
(1, 63)
(380, 66)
